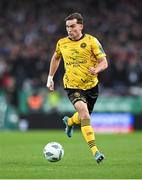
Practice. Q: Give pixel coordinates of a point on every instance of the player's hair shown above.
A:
(77, 16)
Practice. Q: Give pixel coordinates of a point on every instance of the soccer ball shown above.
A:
(53, 152)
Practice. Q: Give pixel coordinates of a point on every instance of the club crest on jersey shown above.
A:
(83, 45)
(76, 94)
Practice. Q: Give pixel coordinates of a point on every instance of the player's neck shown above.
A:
(78, 37)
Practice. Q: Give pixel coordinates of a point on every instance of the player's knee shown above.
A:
(85, 115)
(85, 119)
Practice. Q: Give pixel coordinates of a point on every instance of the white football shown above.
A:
(53, 152)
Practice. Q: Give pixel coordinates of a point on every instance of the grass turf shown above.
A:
(21, 156)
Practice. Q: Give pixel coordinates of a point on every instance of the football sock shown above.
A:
(74, 119)
(89, 135)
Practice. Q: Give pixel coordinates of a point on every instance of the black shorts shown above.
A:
(88, 96)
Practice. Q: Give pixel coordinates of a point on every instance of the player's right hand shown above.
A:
(50, 83)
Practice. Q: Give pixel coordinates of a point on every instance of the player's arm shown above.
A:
(101, 66)
(55, 61)
(100, 55)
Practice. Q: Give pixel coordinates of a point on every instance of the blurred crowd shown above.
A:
(30, 29)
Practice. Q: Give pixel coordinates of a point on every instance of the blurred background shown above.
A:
(29, 30)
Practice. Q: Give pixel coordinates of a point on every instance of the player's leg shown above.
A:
(91, 97)
(86, 128)
(74, 95)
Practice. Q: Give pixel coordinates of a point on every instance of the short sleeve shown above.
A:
(97, 49)
(57, 50)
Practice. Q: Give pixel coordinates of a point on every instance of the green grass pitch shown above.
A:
(21, 156)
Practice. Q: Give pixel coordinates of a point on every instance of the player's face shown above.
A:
(74, 29)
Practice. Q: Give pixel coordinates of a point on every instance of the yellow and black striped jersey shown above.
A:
(78, 56)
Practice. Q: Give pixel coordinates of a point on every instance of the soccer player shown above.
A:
(83, 58)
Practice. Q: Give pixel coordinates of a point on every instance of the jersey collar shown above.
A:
(78, 39)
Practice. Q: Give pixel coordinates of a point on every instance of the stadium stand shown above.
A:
(29, 31)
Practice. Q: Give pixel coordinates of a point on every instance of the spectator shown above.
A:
(27, 28)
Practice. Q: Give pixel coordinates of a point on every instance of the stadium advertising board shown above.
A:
(112, 122)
